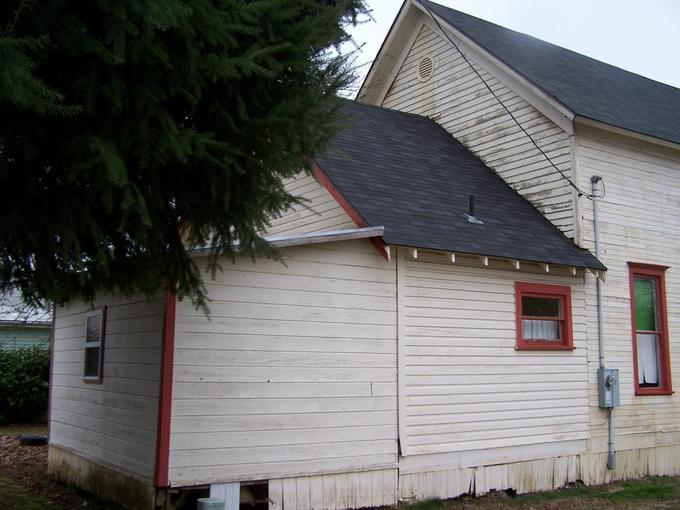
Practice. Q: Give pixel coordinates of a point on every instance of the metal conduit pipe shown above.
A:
(611, 452)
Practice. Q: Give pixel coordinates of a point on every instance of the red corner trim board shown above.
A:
(165, 393)
(50, 387)
(347, 207)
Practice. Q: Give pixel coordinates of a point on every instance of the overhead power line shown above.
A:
(580, 192)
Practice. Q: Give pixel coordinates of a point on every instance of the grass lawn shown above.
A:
(647, 494)
(16, 497)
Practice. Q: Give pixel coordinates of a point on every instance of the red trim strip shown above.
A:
(347, 207)
(165, 394)
(658, 272)
(49, 385)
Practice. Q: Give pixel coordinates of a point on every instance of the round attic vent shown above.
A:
(425, 68)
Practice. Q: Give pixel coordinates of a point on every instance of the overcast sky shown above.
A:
(642, 36)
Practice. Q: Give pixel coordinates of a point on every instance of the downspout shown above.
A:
(611, 452)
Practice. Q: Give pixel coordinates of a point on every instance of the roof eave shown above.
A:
(587, 121)
(597, 265)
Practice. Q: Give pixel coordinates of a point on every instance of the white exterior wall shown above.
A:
(294, 374)
(466, 386)
(639, 222)
(457, 99)
(114, 422)
(318, 213)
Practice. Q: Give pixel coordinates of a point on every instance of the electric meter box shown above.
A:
(608, 388)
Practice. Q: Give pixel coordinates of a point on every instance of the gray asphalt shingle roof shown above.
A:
(407, 173)
(587, 87)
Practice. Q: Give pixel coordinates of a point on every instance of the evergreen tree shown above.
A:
(129, 127)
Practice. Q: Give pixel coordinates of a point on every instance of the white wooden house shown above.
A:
(435, 329)
(23, 326)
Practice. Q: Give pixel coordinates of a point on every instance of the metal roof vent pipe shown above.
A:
(470, 215)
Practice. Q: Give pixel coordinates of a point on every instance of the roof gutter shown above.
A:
(311, 238)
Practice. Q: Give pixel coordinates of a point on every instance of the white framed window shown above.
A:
(95, 322)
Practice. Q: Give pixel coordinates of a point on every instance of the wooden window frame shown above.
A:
(101, 311)
(561, 292)
(659, 273)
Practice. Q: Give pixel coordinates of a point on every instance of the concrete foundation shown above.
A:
(104, 481)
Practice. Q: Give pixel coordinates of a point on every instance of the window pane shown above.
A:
(93, 328)
(541, 307)
(541, 330)
(92, 361)
(645, 304)
(648, 360)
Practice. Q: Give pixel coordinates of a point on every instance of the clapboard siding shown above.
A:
(639, 222)
(458, 100)
(294, 374)
(466, 387)
(113, 422)
(318, 212)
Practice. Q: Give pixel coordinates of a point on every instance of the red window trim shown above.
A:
(100, 378)
(658, 272)
(544, 290)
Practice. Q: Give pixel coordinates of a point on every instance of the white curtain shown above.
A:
(647, 358)
(540, 330)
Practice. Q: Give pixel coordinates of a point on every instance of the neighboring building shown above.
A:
(416, 343)
(22, 326)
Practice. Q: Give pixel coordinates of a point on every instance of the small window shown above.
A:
(650, 330)
(94, 345)
(543, 316)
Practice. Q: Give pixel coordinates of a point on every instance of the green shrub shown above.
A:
(24, 378)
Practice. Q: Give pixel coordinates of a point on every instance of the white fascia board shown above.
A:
(310, 238)
(392, 53)
(585, 121)
(527, 90)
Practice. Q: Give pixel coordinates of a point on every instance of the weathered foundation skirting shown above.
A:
(385, 487)
(106, 482)
(539, 475)
(338, 491)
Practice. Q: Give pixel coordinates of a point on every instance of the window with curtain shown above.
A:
(543, 316)
(650, 333)
(94, 345)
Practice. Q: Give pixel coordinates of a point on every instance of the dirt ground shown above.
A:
(27, 465)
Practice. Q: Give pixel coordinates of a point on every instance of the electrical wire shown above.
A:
(580, 192)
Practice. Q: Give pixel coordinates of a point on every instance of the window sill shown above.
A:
(644, 392)
(92, 380)
(544, 347)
